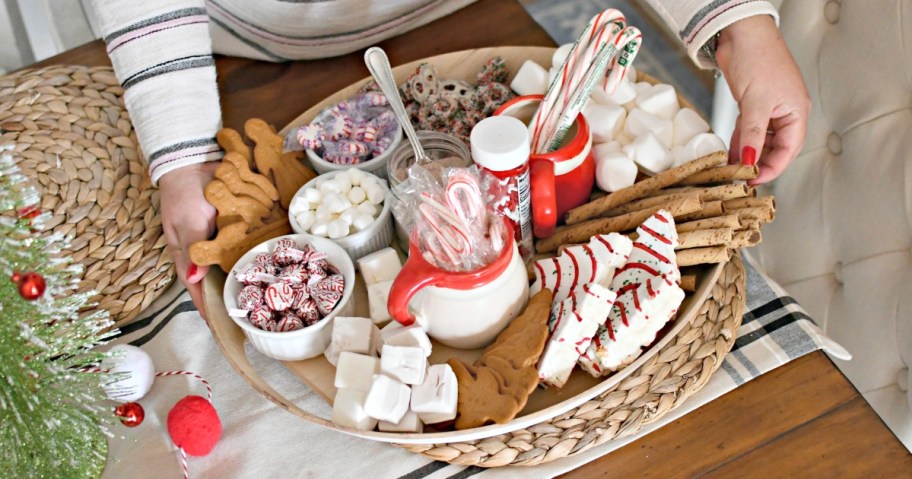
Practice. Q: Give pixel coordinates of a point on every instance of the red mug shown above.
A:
(562, 179)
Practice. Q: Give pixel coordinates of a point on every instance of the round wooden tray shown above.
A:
(585, 412)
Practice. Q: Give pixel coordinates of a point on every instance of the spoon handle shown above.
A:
(378, 64)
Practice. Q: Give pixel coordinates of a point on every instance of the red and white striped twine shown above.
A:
(188, 373)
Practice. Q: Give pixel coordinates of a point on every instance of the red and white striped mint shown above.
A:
(301, 296)
(285, 255)
(310, 316)
(254, 274)
(310, 137)
(279, 296)
(295, 273)
(326, 300)
(333, 282)
(250, 297)
(261, 317)
(289, 322)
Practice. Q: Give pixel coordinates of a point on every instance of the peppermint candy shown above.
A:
(326, 300)
(310, 316)
(295, 273)
(261, 317)
(279, 296)
(285, 255)
(301, 297)
(289, 322)
(333, 282)
(250, 297)
(254, 274)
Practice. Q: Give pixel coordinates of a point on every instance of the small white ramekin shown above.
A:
(303, 343)
(375, 166)
(376, 237)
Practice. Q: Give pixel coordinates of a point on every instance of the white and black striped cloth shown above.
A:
(262, 440)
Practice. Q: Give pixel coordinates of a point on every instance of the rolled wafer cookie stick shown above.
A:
(723, 174)
(712, 193)
(761, 214)
(709, 210)
(702, 238)
(581, 232)
(708, 255)
(750, 202)
(689, 282)
(639, 190)
(649, 202)
(732, 221)
(746, 238)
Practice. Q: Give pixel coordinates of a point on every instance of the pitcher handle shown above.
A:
(416, 274)
(544, 197)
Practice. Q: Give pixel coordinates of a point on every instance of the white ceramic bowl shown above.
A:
(362, 243)
(303, 343)
(375, 166)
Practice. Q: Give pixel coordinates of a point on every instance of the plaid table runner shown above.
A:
(261, 440)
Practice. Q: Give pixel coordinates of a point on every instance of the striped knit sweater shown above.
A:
(162, 51)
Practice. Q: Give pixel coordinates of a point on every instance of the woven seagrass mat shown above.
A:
(75, 141)
(682, 368)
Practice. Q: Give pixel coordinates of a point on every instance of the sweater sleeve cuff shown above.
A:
(708, 22)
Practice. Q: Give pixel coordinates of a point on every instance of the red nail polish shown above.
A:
(191, 270)
(748, 156)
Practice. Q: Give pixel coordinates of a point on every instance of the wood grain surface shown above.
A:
(801, 420)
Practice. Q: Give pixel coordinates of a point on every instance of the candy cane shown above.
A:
(464, 197)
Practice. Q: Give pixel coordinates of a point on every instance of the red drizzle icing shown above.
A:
(652, 293)
(575, 269)
(636, 300)
(651, 251)
(655, 234)
(641, 266)
(605, 242)
(660, 218)
(558, 273)
(592, 259)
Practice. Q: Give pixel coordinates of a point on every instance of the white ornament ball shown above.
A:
(133, 370)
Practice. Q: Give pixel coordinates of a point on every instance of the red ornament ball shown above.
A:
(194, 425)
(31, 285)
(131, 414)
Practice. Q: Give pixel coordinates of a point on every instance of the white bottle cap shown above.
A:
(500, 143)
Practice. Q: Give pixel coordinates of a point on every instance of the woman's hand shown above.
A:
(770, 92)
(187, 218)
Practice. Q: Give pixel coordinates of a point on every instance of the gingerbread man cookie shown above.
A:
(285, 169)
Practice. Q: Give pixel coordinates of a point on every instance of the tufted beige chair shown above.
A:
(842, 240)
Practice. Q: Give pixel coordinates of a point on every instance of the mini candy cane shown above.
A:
(464, 197)
(451, 234)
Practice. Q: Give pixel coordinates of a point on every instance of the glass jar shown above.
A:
(437, 146)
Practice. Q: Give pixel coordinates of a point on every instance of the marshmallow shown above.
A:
(631, 74)
(362, 221)
(344, 181)
(605, 121)
(298, 204)
(313, 195)
(337, 229)
(356, 176)
(348, 216)
(623, 93)
(348, 410)
(368, 208)
(703, 144)
(320, 227)
(687, 124)
(352, 334)
(375, 193)
(640, 121)
(560, 55)
(405, 363)
(435, 399)
(356, 371)
(356, 195)
(336, 203)
(409, 423)
(660, 100)
(387, 400)
(615, 171)
(641, 87)
(306, 219)
(649, 153)
(682, 154)
(377, 298)
(602, 149)
(410, 336)
(330, 186)
(382, 265)
(531, 79)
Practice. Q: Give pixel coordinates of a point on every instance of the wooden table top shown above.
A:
(805, 420)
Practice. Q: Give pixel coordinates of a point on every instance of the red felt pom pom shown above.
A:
(194, 425)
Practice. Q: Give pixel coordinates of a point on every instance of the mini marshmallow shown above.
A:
(356, 195)
(356, 176)
(377, 297)
(375, 193)
(335, 202)
(649, 153)
(411, 336)
(352, 334)
(387, 400)
(313, 195)
(356, 371)
(603, 149)
(368, 208)
(615, 172)
(640, 121)
(337, 229)
(348, 216)
(330, 186)
(531, 79)
(405, 363)
(703, 144)
(306, 219)
(344, 182)
(605, 121)
(623, 93)
(298, 205)
(435, 399)
(660, 100)
(409, 423)
(631, 74)
(348, 410)
(560, 55)
(687, 124)
(362, 221)
(382, 265)
(319, 228)
(642, 87)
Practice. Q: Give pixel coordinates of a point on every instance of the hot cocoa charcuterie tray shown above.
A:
(554, 422)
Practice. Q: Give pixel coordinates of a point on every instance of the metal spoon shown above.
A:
(378, 64)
